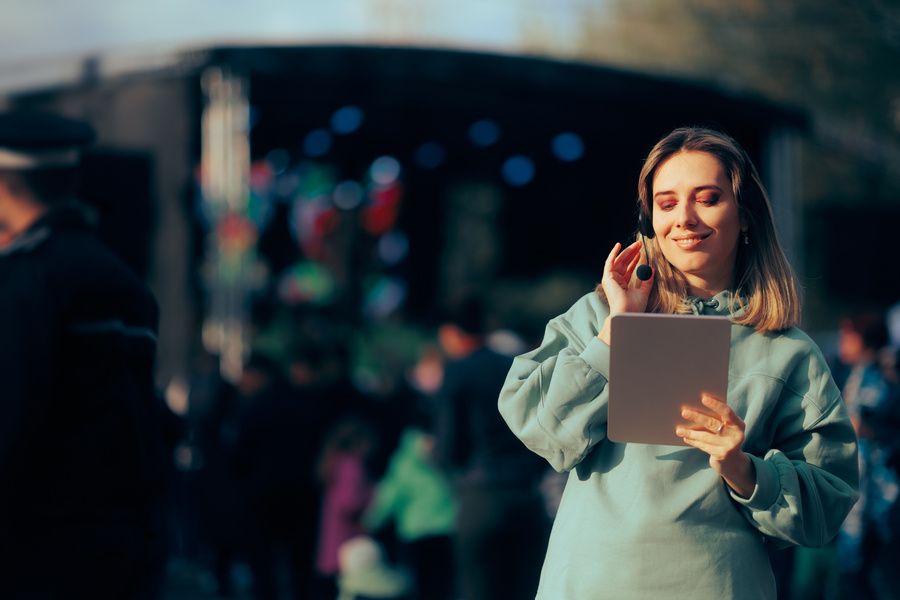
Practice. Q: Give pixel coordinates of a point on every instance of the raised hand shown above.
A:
(625, 293)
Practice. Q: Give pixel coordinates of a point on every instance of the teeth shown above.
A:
(689, 242)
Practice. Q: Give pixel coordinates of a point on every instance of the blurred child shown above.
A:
(364, 574)
(347, 492)
(415, 494)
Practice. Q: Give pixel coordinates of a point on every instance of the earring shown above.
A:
(746, 239)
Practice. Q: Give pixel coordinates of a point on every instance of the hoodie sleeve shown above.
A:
(555, 397)
(807, 482)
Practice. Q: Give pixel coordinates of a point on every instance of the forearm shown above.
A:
(604, 335)
(741, 475)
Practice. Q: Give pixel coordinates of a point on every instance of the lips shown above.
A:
(688, 242)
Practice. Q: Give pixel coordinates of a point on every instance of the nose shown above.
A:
(686, 214)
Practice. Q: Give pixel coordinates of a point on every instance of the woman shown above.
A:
(778, 462)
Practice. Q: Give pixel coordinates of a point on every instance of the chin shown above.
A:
(691, 267)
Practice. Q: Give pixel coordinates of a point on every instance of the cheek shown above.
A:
(661, 224)
(668, 250)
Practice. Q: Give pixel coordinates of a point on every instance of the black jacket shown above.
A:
(78, 445)
(472, 440)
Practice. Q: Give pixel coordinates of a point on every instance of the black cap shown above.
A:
(35, 140)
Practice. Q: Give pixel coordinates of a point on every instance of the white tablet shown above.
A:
(657, 365)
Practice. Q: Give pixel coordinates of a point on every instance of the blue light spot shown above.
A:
(568, 146)
(317, 142)
(484, 132)
(393, 247)
(346, 120)
(518, 170)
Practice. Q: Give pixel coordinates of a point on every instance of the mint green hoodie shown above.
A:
(644, 521)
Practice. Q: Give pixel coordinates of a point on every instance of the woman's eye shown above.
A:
(708, 200)
(666, 205)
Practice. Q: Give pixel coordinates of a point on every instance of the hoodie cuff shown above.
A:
(596, 355)
(767, 489)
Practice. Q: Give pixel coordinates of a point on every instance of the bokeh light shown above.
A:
(393, 247)
(518, 170)
(484, 132)
(385, 170)
(568, 146)
(346, 120)
(317, 143)
(348, 195)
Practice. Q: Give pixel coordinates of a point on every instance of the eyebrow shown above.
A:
(695, 190)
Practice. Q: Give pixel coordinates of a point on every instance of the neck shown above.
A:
(705, 288)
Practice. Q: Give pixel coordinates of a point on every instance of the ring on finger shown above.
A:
(719, 428)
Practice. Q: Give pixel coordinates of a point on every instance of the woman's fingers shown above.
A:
(629, 270)
(607, 266)
(618, 263)
(626, 256)
(700, 435)
(720, 408)
(701, 445)
(617, 276)
(703, 420)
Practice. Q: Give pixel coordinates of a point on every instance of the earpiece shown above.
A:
(645, 228)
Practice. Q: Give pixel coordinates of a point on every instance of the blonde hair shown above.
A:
(765, 289)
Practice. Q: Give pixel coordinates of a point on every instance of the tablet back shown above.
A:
(659, 363)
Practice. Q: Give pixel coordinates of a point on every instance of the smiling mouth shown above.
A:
(688, 242)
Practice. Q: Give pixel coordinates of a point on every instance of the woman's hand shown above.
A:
(721, 436)
(623, 292)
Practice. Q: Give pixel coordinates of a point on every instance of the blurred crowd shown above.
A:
(296, 481)
(862, 561)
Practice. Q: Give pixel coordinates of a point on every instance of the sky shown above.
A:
(43, 42)
(31, 29)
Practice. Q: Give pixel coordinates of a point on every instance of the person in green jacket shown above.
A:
(778, 462)
(416, 495)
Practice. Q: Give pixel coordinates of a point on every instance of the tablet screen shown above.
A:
(658, 364)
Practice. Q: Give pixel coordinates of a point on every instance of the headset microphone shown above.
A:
(644, 272)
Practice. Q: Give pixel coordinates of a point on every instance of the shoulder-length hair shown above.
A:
(765, 289)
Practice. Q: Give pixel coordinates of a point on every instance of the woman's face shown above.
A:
(696, 219)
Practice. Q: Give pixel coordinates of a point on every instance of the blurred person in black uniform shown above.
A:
(80, 450)
(502, 523)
